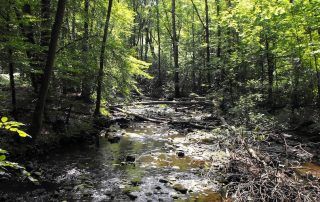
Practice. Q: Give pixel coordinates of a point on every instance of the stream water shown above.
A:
(150, 162)
(139, 161)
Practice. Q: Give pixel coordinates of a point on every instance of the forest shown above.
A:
(160, 100)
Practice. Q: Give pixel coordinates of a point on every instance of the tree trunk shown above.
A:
(153, 53)
(207, 42)
(85, 84)
(316, 67)
(45, 23)
(28, 33)
(44, 40)
(218, 30)
(103, 48)
(270, 72)
(193, 72)
(12, 83)
(36, 125)
(146, 44)
(175, 51)
(159, 44)
(11, 71)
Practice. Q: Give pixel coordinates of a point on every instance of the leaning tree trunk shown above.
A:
(175, 51)
(39, 109)
(103, 48)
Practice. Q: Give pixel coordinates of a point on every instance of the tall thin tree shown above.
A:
(36, 125)
(102, 57)
(175, 51)
(159, 43)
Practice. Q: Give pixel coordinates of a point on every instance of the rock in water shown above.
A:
(114, 137)
(130, 158)
(180, 188)
(133, 195)
(180, 153)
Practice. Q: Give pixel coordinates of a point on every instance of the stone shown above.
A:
(180, 188)
(130, 158)
(175, 196)
(133, 195)
(163, 180)
(158, 187)
(180, 153)
(114, 138)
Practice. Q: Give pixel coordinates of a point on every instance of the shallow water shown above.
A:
(309, 169)
(104, 174)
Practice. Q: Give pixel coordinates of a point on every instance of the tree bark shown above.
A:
(102, 56)
(12, 83)
(207, 42)
(147, 41)
(193, 72)
(44, 41)
(175, 51)
(36, 125)
(316, 67)
(45, 23)
(11, 71)
(218, 30)
(270, 72)
(159, 44)
(85, 84)
(153, 53)
(28, 32)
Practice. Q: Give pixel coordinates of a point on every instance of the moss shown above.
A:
(136, 181)
(129, 189)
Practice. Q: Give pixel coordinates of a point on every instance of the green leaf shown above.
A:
(13, 129)
(22, 133)
(4, 119)
(2, 151)
(34, 180)
(2, 157)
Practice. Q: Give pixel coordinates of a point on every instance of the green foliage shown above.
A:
(13, 127)
(247, 112)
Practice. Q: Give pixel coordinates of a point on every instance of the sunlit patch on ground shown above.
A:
(309, 169)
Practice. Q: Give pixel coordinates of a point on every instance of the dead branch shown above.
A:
(167, 103)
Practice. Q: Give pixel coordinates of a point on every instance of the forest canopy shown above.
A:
(224, 49)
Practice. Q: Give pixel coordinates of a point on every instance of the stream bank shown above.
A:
(145, 161)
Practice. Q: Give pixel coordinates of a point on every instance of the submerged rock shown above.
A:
(130, 158)
(114, 138)
(133, 195)
(180, 153)
(180, 188)
(163, 180)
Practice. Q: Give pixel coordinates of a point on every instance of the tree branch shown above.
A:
(74, 41)
(198, 14)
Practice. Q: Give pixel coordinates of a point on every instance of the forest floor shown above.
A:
(183, 153)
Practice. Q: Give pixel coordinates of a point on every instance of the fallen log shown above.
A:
(193, 125)
(207, 103)
(173, 122)
(137, 115)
